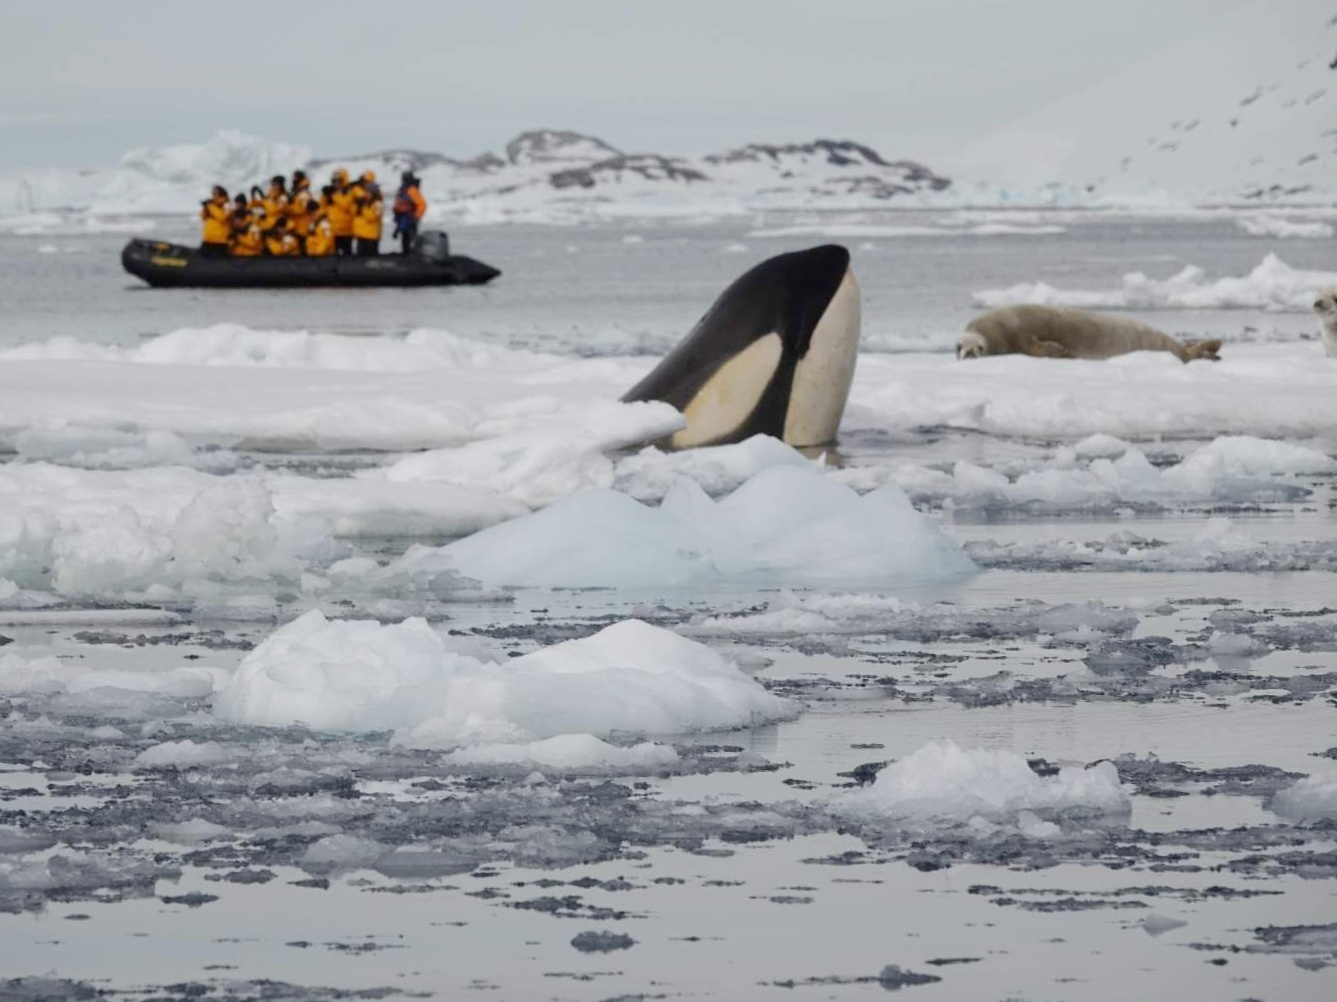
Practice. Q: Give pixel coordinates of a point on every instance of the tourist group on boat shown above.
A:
(290, 220)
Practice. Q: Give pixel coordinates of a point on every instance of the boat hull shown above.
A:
(171, 265)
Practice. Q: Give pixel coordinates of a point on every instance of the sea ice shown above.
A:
(786, 525)
(630, 678)
(1220, 546)
(1311, 799)
(1229, 469)
(1272, 285)
(942, 782)
(185, 754)
(1274, 390)
(649, 474)
(567, 753)
(1269, 225)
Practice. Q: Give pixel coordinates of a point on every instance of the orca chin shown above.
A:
(774, 355)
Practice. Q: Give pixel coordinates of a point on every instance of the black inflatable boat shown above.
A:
(430, 263)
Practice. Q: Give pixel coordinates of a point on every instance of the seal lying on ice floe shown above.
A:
(1051, 332)
(1325, 305)
(774, 355)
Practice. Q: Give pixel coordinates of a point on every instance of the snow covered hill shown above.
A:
(543, 175)
(1243, 113)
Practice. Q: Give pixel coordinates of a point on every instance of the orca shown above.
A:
(774, 355)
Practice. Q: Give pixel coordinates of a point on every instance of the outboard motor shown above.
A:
(433, 245)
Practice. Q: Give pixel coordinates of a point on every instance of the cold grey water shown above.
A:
(1165, 605)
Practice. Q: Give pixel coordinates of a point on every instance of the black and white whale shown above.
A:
(774, 355)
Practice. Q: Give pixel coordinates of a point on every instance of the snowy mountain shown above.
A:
(543, 175)
(1242, 113)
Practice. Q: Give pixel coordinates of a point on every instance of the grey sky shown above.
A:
(82, 81)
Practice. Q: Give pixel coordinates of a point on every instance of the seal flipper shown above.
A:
(773, 355)
(1044, 348)
(1209, 350)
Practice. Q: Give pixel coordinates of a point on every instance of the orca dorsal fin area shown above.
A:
(774, 355)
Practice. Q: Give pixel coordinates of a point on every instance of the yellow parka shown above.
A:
(249, 241)
(341, 211)
(301, 207)
(367, 221)
(217, 216)
(320, 239)
(283, 244)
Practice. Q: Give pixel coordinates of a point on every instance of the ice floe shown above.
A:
(1271, 391)
(1268, 225)
(1238, 469)
(942, 782)
(1272, 285)
(1221, 545)
(1313, 798)
(630, 678)
(785, 525)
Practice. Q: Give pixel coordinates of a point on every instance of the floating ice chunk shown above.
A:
(567, 752)
(343, 675)
(1236, 468)
(1313, 798)
(1101, 446)
(1272, 285)
(560, 453)
(1235, 645)
(1219, 546)
(943, 782)
(339, 852)
(786, 525)
(192, 831)
(630, 678)
(650, 473)
(40, 675)
(1268, 225)
(1247, 456)
(185, 754)
(1156, 924)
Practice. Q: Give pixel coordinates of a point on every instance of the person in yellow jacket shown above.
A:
(367, 216)
(301, 202)
(341, 209)
(320, 237)
(274, 201)
(248, 238)
(281, 241)
(216, 213)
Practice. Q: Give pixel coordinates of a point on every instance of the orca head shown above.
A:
(774, 355)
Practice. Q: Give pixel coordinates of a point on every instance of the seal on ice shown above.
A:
(1052, 332)
(1325, 305)
(774, 355)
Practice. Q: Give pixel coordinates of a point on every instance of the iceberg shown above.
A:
(629, 678)
(942, 782)
(786, 525)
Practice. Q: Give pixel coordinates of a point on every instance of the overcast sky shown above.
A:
(84, 80)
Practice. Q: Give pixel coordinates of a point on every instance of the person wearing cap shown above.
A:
(409, 207)
(341, 210)
(275, 201)
(216, 213)
(368, 210)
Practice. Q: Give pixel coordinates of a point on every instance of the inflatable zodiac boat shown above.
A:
(430, 263)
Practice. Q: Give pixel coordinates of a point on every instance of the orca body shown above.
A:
(773, 356)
